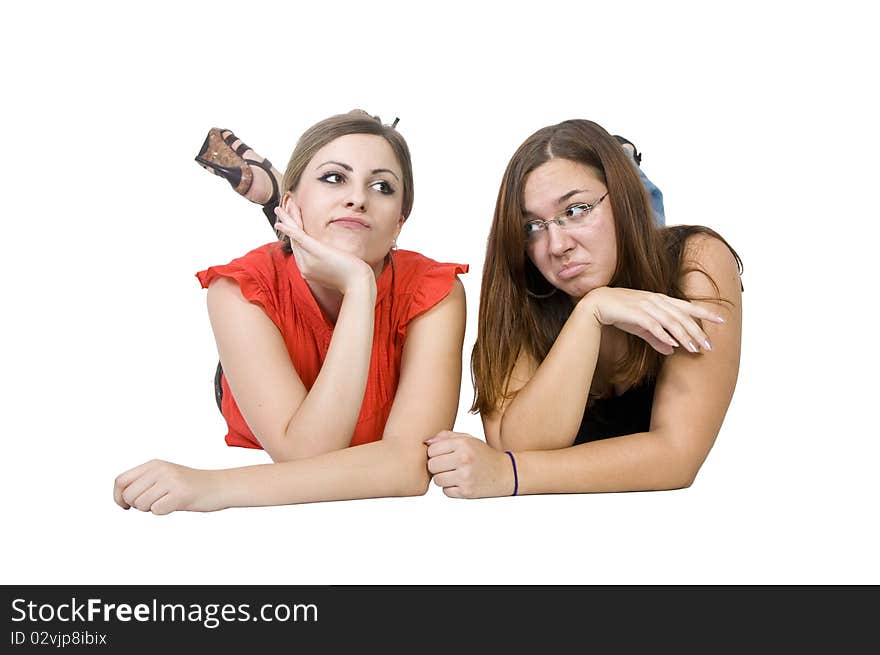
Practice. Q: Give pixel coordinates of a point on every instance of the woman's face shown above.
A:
(351, 197)
(578, 259)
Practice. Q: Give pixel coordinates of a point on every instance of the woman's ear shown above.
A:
(286, 201)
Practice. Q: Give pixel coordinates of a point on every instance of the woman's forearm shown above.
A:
(647, 461)
(326, 418)
(547, 411)
(374, 470)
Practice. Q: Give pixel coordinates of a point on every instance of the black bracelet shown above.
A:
(515, 476)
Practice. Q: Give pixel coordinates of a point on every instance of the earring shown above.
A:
(541, 296)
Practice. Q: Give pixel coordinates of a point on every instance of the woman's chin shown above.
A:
(577, 290)
(348, 243)
(581, 285)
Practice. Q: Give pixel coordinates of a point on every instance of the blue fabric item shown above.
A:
(655, 193)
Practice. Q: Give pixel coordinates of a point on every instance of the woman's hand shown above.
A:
(664, 322)
(468, 468)
(162, 487)
(318, 262)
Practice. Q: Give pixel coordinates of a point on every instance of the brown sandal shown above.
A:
(218, 157)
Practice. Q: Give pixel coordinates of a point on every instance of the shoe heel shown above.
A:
(231, 175)
(219, 158)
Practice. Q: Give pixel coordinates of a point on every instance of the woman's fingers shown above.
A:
(291, 225)
(117, 494)
(643, 325)
(124, 480)
(448, 479)
(296, 215)
(443, 436)
(131, 493)
(441, 444)
(162, 487)
(145, 500)
(686, 329)
(305, 248)
(662, 323)
(660, 344)
(681, 326)
(696, 310)
(660, 320)
(164, 505)
(442, 463)
(669, 322)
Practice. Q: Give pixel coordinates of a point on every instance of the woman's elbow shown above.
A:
(673, 478)
(682, 482)
(290, 444)
(411, 471)
(287, 450)
(506, 437)
(686, 464)
(420, 484)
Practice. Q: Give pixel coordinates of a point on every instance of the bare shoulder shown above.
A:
(223, 290)
(228, 306)
(456, 294)
(710, 268)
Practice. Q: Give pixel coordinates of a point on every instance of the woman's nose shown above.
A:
(357, 199)
(559, 241)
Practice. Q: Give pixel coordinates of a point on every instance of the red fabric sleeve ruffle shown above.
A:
(251, 288)
(430, 288)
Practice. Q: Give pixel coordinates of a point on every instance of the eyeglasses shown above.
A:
(574, 216)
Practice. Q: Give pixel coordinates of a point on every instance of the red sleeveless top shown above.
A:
(270, 278)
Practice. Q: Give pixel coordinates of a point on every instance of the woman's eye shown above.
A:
(577, 210)
(383, 187)
(332, 178)
(533, 228)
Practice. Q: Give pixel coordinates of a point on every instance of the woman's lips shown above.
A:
(351, 223)
(570, 271)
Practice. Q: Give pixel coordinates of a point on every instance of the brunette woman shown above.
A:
(608, 347)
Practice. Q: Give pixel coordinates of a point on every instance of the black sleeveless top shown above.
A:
(615, 416)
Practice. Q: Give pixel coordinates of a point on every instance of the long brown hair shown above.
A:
(356, 121)
(519, 310)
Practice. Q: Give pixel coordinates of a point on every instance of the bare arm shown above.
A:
(547, 410)
(425, 403)
(692, 395)
(290, 422)
(549, 403)
(426, 400)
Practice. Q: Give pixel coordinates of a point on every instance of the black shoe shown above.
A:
(637, 156)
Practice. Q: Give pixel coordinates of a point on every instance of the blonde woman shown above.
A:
(340, 353)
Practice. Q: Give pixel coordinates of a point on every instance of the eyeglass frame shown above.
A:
(560, 219)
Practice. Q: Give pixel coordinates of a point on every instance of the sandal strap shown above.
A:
(231, 138)
(266, 165)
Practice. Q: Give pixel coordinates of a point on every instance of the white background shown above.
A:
(757, 119)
